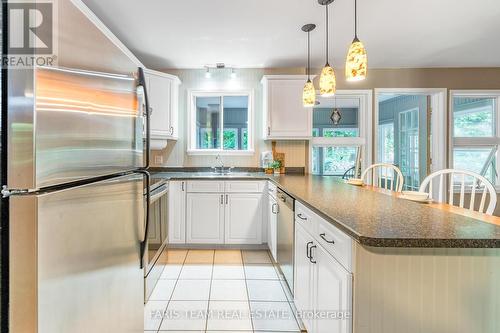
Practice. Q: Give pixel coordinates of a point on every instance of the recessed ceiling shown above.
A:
(266, 33)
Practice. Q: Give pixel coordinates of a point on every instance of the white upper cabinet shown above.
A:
(163, 94)
(285, 117)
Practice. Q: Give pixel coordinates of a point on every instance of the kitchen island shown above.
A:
(407, 267)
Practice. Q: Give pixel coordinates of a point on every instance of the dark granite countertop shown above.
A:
(372, 218)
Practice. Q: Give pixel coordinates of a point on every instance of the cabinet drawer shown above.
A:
(337, 243)
(306, 218)
(244, 186)
(205, 186)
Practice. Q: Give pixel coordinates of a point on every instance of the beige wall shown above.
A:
(297, 152)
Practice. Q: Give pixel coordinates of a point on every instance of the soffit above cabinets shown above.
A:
(266, 34)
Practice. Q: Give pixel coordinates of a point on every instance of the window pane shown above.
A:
(333, 160)
(473, 117)
(478, 160)
(349, 123)
(208, 113)
(386, 143)
(235, 122)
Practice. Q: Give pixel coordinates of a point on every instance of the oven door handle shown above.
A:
(143, 241)
(158, 193)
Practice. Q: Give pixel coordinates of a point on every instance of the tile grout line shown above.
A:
(210, 290)
(171, 295)
(248, 292)
(283, 286)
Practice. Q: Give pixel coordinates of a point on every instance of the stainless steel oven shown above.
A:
(154, 262)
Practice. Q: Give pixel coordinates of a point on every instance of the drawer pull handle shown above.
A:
(311, 254)
(307, 250)
(326, 240)
(301, 217)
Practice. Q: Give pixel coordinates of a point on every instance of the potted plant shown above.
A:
(276, 165)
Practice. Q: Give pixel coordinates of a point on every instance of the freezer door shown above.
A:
(75, 259)
(79, 119)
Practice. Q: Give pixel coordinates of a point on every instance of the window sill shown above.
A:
(208, 152)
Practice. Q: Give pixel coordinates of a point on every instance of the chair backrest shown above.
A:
(392, 176)
(349, 173)
(474, 181)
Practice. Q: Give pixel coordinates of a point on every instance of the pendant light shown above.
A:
(327, 81)
(309, 93)
(356, 63)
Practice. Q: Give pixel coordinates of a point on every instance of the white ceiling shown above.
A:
(266, 33)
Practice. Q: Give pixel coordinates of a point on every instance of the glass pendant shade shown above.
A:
(309, 94)
(327, 81)
(357, 62)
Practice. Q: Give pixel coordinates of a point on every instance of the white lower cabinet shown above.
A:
(217, 212)
(243, 218)
(303, 279)
(177, 212)
(205, 218)
(323, 287)
(333, 293)
(272, 226)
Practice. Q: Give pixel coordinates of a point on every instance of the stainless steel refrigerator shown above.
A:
(75, 151)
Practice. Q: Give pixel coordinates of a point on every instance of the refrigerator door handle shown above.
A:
(146, 113)
(144, 240)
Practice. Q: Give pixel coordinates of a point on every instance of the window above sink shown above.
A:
(220, 123)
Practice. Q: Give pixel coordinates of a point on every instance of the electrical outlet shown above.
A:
(158, 159)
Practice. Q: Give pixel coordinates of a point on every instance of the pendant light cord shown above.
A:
(308, 56)
(355, 19)
(326, 34)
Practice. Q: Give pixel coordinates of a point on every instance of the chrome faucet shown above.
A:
(221, 169)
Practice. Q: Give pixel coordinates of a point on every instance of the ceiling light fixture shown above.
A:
(327, 81)
(335, 116)
(208, 75)
(356, 63)
(309, 93)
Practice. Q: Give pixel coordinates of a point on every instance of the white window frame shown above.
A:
(476, 142)
(191, 124)
(365, 129)
(438, 121)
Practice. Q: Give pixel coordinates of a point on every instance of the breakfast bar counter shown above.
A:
(376, 219)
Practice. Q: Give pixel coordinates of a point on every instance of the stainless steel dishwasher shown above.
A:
(286, 232)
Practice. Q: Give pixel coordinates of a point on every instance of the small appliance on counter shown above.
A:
(266, 158)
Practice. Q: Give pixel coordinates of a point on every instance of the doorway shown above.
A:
(404, 129)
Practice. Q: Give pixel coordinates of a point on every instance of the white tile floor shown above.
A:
(219, 291)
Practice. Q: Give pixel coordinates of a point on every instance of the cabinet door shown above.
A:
(243, 218)
(333, 293)
(272, 226)
(174, 110)
(159, 94)
(303, 288)
(205, 218)
(287, 117)
(177, 212)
